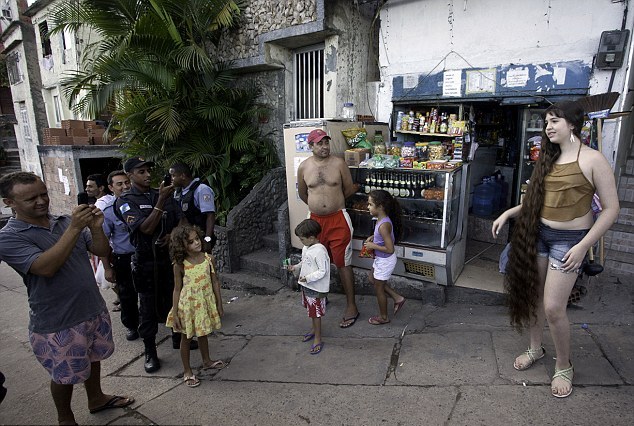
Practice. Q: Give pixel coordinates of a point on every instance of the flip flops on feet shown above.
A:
(216, 365)
(349, 322)
(191, 381)
(533, 356)
(315, 349)
(114, 402)
(308, 336)
(565, 375)
(377, 320)
(398, 306)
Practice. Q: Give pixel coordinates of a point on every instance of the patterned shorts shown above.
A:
(316, 306)
(67, 354)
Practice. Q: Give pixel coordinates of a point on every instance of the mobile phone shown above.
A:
(167, 180)
(82, 198)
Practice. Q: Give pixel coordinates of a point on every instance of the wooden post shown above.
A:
(599, 147)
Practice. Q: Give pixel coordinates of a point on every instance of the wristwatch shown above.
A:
(207, 239)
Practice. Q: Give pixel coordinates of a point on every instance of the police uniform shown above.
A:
(151, 265)
(122, 251)
(196, 200)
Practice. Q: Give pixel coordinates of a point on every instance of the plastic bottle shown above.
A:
(483, 199)
(497, 194)
(348, 113)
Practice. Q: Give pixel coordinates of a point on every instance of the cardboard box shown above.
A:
(81, 140)
(77, 132)
(60, 140)
(356, 155)
(73, 124)
(53, 131)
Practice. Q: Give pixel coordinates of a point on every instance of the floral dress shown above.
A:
(197, 304)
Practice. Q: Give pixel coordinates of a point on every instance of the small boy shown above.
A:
(314, 277)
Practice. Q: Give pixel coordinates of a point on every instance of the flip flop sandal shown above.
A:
(315, 349)
(308, 336)
(533, 355)
(191, 381)
(349, 322)
(567, 374)
(114, 402)
(398, 306)
(215, 365)
(377, 320)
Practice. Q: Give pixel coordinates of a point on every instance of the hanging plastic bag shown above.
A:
(100, 277)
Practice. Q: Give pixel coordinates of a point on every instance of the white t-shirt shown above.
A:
(315, 267)
(105, 201)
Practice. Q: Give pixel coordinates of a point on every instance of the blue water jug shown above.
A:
(483, 199)
(497, 194)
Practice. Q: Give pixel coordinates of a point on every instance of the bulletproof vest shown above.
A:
(192, 213)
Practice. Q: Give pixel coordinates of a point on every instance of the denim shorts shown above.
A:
(555, 243)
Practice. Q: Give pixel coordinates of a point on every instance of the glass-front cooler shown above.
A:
(531, 138)
(433, 204)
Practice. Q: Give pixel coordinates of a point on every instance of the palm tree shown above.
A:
(170, 99)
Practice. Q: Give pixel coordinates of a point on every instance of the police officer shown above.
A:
(196, 200)
(117, 268)
(150, 215)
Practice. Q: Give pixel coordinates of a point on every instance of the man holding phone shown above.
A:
(196, 200)
(150, 215)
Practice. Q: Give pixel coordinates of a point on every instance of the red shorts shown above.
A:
(336, 236)
(316, 307)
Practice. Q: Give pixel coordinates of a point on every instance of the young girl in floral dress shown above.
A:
(197, 304)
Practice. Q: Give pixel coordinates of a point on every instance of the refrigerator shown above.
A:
(296, 150)
(531, 129)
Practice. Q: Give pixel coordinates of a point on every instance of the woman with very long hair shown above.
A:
(553, 232)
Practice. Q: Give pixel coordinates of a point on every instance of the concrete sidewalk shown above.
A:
(448, 365)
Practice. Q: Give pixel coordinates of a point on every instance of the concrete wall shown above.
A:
(60, 165)
(434, 35)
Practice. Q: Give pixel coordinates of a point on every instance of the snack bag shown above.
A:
(366, 252)
(354, 136)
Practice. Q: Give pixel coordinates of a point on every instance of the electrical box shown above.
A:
(612, 49)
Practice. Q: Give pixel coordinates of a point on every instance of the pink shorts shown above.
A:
(316, 307)
(67, 354)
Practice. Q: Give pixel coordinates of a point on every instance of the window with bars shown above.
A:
(309, 83)
(13, 68)
(45, 40)
(24, 118)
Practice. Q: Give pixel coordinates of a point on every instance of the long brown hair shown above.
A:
(522, 277)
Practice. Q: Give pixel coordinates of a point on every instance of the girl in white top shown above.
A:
(314, 277)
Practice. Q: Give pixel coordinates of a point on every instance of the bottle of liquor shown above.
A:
(373, 182)
(367, 183)
(403, 188)
(410, 188)
(379, 181)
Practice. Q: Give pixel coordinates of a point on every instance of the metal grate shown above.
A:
(424, 269)
(309, 83)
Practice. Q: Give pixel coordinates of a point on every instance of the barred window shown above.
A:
(309, 83)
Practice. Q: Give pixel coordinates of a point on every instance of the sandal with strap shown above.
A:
(567, 374)
(191, 381)
(533, 356)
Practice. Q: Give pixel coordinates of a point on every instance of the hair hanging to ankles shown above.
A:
(522, 278)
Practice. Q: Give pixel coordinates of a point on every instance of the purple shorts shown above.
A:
(67, 354)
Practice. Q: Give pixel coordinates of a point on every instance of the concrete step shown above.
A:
(271, 241)
(629, 166)
(250, 282)
(626, 188)
(265, 261)
(626, 215)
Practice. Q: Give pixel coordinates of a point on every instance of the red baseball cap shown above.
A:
(317, 135)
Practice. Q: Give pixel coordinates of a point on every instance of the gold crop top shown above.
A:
(567, 192)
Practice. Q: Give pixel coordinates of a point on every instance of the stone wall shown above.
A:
(252, 217)
(260, 17)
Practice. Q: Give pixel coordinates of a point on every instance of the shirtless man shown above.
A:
(324, 184)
